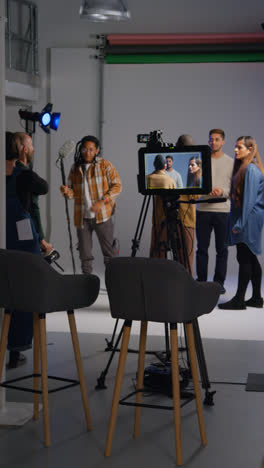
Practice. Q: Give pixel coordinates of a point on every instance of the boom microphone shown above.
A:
(66, 149)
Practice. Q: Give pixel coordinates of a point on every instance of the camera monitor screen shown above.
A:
(166, 170)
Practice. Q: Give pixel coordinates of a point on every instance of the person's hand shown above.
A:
(217, 192)
(64, 189)
(46, 246)
(97, 206)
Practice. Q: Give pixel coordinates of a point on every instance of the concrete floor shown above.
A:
(234, 424)
(233, 345)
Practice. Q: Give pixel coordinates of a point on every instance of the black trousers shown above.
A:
(206, 222)
(21, 331)
(249, 270)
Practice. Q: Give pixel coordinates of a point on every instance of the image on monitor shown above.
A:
(185, 171)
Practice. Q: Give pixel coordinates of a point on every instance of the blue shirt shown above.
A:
(248, 220)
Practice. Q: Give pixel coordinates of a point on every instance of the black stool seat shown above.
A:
(157, 290)
(29, 284)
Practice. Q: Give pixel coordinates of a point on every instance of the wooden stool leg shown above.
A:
(44, 378)
(3, 341)
(36, 380)
(118, 384)
(191, 346)
(140, 377)
(176, 391)
(78, 360)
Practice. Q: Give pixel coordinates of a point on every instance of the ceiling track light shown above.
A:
(99, 11)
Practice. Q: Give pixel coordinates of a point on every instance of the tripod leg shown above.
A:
(140, 225)
(101, 380)
(111, 342)
(202, 364)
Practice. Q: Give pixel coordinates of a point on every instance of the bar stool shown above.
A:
(28, 283)
(157, 290)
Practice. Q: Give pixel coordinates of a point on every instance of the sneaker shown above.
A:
(233, 304)
(255, 302)
(16, 359)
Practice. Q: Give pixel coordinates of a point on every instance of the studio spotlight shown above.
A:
(100, 11)
(46, 119)
(55, 120)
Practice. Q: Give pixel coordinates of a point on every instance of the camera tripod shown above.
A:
(175, 242)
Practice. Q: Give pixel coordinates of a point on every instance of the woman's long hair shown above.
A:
(240, 166)
(78, 159)
(193, 180)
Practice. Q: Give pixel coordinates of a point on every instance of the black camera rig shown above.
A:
(153, 138)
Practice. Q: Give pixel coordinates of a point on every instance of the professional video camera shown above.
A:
(152, 138)
(191, 166)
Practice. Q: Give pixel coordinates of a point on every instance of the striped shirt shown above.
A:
(104, 184)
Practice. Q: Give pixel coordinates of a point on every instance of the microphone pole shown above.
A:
(67, 213)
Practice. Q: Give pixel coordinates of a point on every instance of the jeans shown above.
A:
(105, 235)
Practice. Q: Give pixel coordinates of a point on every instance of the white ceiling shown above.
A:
(171, 16)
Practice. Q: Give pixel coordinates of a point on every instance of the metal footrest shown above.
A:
(188, 396)
(9, 383)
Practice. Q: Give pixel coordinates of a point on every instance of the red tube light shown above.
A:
(165, 39)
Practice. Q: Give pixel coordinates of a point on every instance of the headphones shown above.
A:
(78, 158)
(91, 138)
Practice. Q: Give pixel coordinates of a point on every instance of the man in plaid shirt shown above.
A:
(94, 184)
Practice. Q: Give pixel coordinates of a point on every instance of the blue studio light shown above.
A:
(45, 119)
(55, 120)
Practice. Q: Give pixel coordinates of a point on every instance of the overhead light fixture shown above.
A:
(100, 11)
(46, 118)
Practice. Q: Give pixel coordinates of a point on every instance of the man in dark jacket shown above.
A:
(21, 234)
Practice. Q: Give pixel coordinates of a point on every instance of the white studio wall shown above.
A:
(175, 98)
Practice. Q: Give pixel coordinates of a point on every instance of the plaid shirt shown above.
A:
(104, 184)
